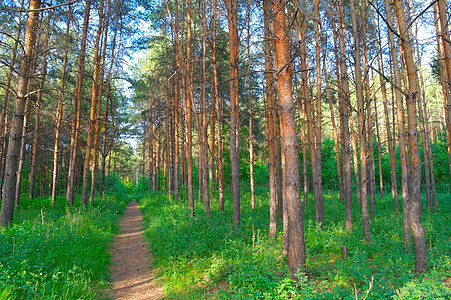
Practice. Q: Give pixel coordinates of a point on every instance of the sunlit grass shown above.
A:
(204, 258)
(58, 252)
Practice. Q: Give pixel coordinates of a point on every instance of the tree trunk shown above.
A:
(203, 117)
(34, 151)
(344, 113)
(26, 124)
(249, 99)
(369, 127)
(271, 122)
(59, 109)
(8, 193)
(446, 47)
(379, 150)
(105, 148)
(232, 16)
(5, 107)
(391, 147)
(334, 126)
(361, 126)
(77, 103)
(291, 186)
(189, 108)
(401, 127)
(317, 177)
(414, 203)
(217, 102)
(95, 161)
(93, 111)
(425, 137)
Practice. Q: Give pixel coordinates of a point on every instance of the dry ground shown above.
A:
(131, 272)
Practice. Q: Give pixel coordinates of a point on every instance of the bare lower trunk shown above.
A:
(446, 48)
(77, 109)
(317, 179)
(93, 113)
(415, 207)
(271, 122)
(362, 127)
(249, 98)
(59, 110)
(23, 142)
(220, 157)
(401, 128)
(334, 126)
(391, 147)
(344, 120)
(291, 185)
(8, 193)
(34, 151)
(188, 112)
(204, 123)
(6, 98)
(232, 15)
(35, 143)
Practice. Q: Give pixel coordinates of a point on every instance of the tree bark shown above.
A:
(291, 185)
(6, 98)
(188, 111)
(34, 151)
(445, 38)
(415, 207)
(344, 113)
(8, 193)
(59, 109)
(71, 176)
(232, 16)
(95, 161)
(249, 98)
(105, 147)
(400, 118)
(317, 177)
(93, 111)
(361, 126)
(203, 117)
(271, 121)
(391, 147)
(334, 126)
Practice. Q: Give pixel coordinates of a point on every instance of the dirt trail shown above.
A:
(131, 272)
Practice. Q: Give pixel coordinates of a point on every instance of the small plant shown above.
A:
(58, 252)
(201, 257)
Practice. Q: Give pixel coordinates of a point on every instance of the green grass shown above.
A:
(203, 258)
(58, 252)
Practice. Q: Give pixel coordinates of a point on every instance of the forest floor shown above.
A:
(131, 272)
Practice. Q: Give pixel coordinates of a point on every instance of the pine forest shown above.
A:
(225, 149)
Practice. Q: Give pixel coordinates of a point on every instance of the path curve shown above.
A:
(131, 271)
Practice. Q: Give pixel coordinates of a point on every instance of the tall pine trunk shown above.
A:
(93, 111)
(291, 182)
(59, 109)
(400, 118)
(271, 122)
(6, 98)
(8, 193)
(71, 176)
(344, 113)
(232, 16)
(414, 203)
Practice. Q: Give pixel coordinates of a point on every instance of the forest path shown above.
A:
(131, 271)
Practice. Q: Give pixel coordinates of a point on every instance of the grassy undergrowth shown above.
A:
(58, 252)
(203, 258)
